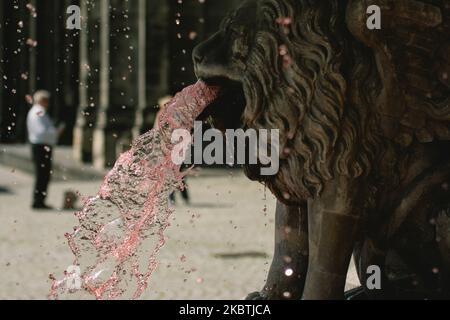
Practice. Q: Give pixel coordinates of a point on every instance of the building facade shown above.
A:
(105, 79)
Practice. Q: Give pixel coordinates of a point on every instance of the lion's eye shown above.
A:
(229, 31)
(240, 48)
(233, 33)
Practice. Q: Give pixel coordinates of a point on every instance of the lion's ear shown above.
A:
(412, 37)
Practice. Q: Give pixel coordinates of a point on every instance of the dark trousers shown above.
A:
(42, 158)
(184, 193)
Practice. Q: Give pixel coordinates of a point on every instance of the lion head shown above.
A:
(292, 65)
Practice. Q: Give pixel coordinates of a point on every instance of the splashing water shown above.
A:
(121, 230)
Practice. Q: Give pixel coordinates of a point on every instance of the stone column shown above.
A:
(142, 69)
(88, 81)
(120, 79)
(100, 142)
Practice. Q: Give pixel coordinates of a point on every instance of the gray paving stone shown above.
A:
(227, 245)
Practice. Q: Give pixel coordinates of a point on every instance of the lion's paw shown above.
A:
(256, 296)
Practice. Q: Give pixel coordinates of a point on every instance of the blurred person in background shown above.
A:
(43, 136)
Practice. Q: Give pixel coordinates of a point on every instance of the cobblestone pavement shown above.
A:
(219, 247)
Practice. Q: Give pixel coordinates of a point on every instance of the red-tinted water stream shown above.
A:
(121, 230)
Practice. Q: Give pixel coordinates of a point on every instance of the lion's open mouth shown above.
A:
(226, 111)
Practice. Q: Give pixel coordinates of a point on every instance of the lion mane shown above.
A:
(308, 77)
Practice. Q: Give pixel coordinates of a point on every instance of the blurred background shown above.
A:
(127, 55)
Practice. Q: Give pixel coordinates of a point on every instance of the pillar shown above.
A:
(142, 69)
(99, 138)
(89, 90)
(121, 78)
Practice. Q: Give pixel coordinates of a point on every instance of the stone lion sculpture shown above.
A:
(364, 117)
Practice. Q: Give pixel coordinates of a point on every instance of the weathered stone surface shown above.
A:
(414, 119)
(424, 136)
